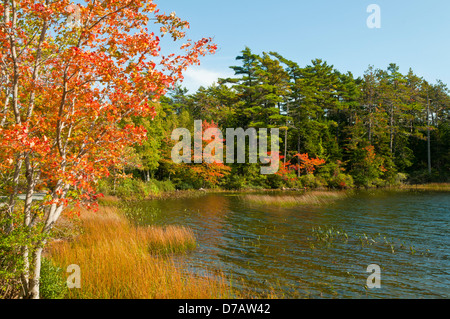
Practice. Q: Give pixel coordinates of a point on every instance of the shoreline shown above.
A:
(199, 192)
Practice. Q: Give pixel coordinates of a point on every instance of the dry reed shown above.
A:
(309, 198)
(431, 187)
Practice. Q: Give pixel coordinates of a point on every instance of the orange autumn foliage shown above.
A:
(209, 170)
(67, 97)
(303, 163)
(68, 94)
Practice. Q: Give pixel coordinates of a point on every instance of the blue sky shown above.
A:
(413, 34)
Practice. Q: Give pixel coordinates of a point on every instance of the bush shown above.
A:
(11, 265)
(53, 284)
(341, 181)
(105, 187)
(275, 181)
(240, 182)
(136, 188)
(162, 186)
(424, 177)
(11, 260)
(310, 181)
(329, 170)
(236, 182)
(378, 182)
(126, 188)
(184, 186)
(399, 179)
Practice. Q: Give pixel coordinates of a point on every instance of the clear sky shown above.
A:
(413, 33)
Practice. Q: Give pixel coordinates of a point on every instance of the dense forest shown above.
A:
(384, 128)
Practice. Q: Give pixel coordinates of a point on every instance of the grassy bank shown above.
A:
(121, 261)
(430, 187)
(308, 198)
(136, 189)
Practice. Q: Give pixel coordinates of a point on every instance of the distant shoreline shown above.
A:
(199, 192)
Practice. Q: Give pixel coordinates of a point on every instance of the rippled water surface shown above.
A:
(405, 233)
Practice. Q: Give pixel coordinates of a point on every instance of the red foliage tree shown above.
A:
(308, 164)
(287, 169)
(210, 170)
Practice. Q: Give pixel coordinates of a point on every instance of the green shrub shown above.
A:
(162, 186)
(136, 188)
(105, 187)
(310, 181)
(235, 181)
(378, 182)
(125, 188)
(11, 260)
(276, 181)
(11, 265)
(400, 179)
(142, 189)
(52, 284)
(328, 171)
(424, 177)
(184, 186)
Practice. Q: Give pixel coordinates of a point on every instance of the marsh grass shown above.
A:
(112, 226)
(328, 236)
(308, 198)
(109, 201)
(122, 261)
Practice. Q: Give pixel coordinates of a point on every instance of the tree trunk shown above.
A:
(298, 151)
(337, 128)
(285, 146)
(391, 130)
(370, 123)
(25, 275)
(32, 288)
(5, 109)
(12, 198)
(35, 280)
(286, 133)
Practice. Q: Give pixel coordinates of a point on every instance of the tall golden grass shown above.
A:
(309, 198)
(121, 261)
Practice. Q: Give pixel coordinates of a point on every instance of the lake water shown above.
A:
(289, 249)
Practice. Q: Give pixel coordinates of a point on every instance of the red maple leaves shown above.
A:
(209, 170)
(303, 164)
(68, 93)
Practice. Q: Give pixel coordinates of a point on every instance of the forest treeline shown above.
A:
(381, 129)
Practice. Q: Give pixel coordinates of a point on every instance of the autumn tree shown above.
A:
(72, 75)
